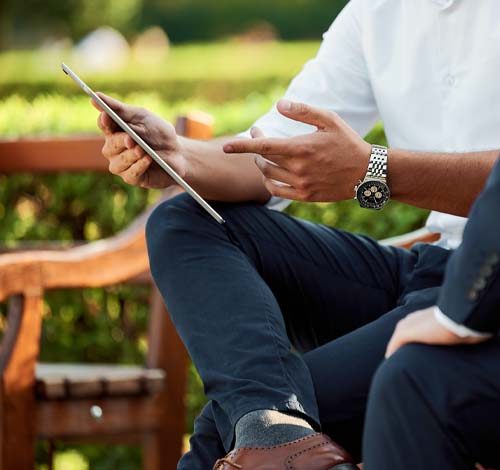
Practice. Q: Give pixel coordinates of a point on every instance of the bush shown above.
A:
(57, 115)
(210, 72)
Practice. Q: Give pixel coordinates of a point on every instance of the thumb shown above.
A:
(125, 111)
(256, 133)
(393, 345)
(307, 114)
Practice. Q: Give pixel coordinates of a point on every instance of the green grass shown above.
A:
(217, 72)
(231, 60)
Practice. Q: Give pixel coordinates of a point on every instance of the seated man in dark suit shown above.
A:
(436, 404)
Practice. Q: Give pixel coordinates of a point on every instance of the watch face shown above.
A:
(373, 194)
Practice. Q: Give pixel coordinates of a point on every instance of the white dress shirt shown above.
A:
(429, 69)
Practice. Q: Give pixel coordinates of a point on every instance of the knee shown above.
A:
(169, 214)
(397, 377)
(168, 228)
(172, 218)
(179, 231)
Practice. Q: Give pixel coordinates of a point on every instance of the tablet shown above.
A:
(139, 141)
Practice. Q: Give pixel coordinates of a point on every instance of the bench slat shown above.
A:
(71, 154)
(63, 381)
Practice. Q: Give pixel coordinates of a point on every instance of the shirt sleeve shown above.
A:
(460, 330)
(337, 79)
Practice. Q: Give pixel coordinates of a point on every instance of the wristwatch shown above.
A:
(373, 192)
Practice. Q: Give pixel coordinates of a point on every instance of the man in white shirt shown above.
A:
(247, 296)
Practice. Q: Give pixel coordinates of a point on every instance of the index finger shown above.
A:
(95, 104)
(106, 124)
(116, 143)
(126, 111)
(261, 146)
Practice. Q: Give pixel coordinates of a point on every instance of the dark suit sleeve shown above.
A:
(471, 291)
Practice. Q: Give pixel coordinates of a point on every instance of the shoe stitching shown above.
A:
(279, 446)
(290, 459)
(287, 444)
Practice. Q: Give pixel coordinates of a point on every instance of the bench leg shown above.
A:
(161, 451)
(17, 444)
(18, 357)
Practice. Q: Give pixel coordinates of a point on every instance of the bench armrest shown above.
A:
(102, 263)
(409, 239)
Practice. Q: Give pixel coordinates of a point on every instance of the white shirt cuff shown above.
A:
(460, 330)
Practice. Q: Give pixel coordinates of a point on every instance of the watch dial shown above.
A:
(373, 194)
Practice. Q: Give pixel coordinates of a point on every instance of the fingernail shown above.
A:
(228, 148)
(285, 105)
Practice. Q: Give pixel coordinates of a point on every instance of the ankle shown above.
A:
(267, 428)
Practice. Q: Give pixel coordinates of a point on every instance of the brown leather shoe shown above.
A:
(315, 452)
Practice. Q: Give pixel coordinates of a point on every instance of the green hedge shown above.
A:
(213, 72)
(58, 115)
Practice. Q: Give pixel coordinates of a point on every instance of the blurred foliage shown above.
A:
(109, 325)
(48, 114)
(207, 71)
(90, 457)
(31, 21)
(198, 19)
(28, 22)
(68, 460)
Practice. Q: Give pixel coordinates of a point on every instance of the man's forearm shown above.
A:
(221, 177)
(325, 165)
(443, 182)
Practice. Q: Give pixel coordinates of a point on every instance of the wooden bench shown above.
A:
(82, 402)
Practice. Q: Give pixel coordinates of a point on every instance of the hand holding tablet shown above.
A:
(142, 143)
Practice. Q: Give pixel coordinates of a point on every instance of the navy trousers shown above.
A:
(279, 313)
(435, 407)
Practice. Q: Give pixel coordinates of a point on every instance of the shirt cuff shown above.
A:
(459, 330)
